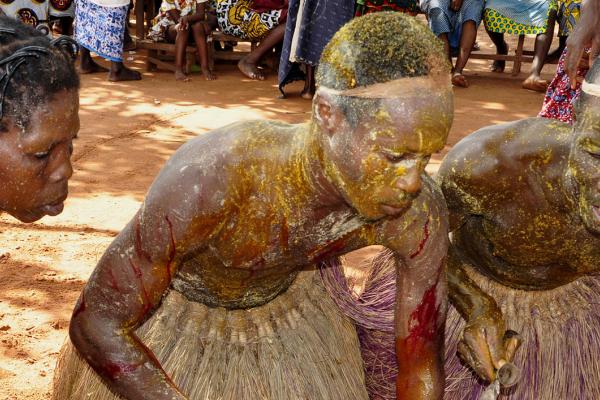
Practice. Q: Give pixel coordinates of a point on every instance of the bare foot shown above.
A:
(124, 74)
(307, 94)
(91, 67)
(499, 65)
(459, 79)
(535, 84)
(208, 74)
(250, 70)
(181, 76)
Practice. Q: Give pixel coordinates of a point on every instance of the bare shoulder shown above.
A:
(495, 160)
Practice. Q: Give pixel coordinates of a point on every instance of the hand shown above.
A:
(586, 34)
(455, 5)
(184, 23)
(486, 345)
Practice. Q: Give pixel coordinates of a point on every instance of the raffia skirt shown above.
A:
(559, 357)
(298, 346)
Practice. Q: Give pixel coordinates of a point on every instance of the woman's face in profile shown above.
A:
(35, 160)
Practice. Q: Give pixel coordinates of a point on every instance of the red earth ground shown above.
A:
(128, 130)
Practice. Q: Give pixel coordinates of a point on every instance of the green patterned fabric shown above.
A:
(496, 22)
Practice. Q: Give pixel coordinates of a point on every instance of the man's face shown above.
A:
(35, 161)
(378, 164)
(584, 164)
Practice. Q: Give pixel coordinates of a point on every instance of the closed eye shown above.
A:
(42, 155)
(393, 157)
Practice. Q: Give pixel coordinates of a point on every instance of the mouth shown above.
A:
(56, 207)
(393, 210)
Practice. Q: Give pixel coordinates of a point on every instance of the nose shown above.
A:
(411, 181)
(61, 166)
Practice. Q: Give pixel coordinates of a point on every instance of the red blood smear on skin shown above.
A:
(418, 349)
(331, 249)
(115, 369)
(423, 241)
(138, 243)
(146, 303)
(80, 306)
(172, 249)
(284, 235)
(112, 280)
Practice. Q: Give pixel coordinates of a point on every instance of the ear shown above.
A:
(327, 114)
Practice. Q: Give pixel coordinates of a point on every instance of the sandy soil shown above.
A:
(127, 132)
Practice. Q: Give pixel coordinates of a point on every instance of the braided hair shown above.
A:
(33, 69)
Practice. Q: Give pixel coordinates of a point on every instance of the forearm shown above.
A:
(125, 364)
(420, 317)
(465, 295)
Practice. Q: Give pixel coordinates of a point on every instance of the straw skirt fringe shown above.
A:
(559, 356)
(298, 346)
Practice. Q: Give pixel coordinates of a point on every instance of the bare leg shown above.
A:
(543, 41)
(501, 48)
(249, 64)
(309, 84)
(88, 65)
(200, 31)
(467, 39)
(119, 72)
(180, 38)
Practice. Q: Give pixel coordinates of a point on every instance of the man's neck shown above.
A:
(312, 158)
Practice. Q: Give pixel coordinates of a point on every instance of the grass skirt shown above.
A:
(560, 330)
(298, 346)
(561, 342)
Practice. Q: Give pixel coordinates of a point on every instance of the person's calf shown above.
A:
(87, 65)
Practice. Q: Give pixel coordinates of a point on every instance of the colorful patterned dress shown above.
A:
(239, 18)
(568, 15)
(368, 6)
(162, 21)
(560, 98)
(518, 17)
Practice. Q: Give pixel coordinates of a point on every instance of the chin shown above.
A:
(28, 217)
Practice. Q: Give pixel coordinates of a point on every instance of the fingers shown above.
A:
(472, 361)
(475, 352)
(572, 62)
(494, 339)
(512, 342)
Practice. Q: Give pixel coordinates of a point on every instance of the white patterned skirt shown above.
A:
(101, 29)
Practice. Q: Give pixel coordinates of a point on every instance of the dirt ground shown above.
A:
(128, 130)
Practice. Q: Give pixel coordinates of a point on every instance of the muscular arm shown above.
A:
(586, 34)
(129, 282)
(419, 239)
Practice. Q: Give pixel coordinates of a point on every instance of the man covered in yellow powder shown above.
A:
(210, 291)
(524, 201)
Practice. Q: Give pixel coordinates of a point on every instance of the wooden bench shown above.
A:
(161, 54)
(519, 57)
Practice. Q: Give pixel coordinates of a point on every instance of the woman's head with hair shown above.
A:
(39, 104)
(383, 105)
